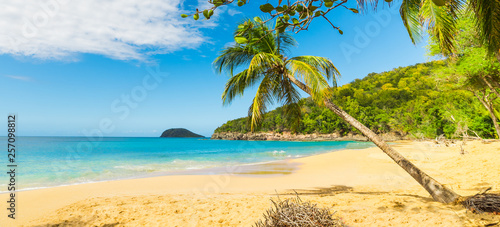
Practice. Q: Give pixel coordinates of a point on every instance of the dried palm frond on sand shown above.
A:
(483, 202)
(294, 212)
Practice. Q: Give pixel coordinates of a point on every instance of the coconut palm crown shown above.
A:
(263, 54)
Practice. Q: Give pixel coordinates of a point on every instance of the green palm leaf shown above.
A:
(324, 65)
(286, 42)
(410, 15)
(237, 84)
(488, 21)
(264, 60)
(289, 97)
(232, 57)
(312, 77)
(263, 97)
(440, 21)
(418, 15)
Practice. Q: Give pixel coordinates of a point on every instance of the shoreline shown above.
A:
(187, 172)
(358, 182)
(216, 170)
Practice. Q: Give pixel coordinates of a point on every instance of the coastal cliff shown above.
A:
(287, 136)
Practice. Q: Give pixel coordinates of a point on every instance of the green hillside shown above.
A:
(411, 100)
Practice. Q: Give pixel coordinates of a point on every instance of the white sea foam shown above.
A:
(135, 168)
(279, 153)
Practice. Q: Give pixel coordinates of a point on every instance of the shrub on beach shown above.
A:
(294, 212)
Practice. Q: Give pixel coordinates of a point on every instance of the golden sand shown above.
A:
(364, 187)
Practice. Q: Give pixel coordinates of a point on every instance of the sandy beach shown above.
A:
(364, 187)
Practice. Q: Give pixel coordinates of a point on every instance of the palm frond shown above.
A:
(267, 43)
(418, 15)
(286, 41)
(456, 7)
(262, 98)
(237, 84)
(264, 60)
(232, 57)
(487, 14)
(290, 98)
(311, 76)
(409, 12)
(441, 22)
(363, 4)
(266, 39)
(324, 65)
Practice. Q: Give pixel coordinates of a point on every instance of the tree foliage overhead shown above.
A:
(438, 17)
(414, 101)
(293, 15)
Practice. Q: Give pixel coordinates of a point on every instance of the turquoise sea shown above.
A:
(54, 161)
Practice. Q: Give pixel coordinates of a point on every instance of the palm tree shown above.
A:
(439, 18)
(263, 54)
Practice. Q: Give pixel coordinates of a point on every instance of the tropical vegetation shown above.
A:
(471, 67)
(415, 101)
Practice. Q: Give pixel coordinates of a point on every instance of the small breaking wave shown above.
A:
(280, 153)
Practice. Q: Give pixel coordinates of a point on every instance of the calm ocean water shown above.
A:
(54, 161)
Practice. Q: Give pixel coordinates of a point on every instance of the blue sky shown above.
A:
(67, 70)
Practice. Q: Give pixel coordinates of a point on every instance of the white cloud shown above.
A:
(23, 78)
(119, 29)
(233, 12)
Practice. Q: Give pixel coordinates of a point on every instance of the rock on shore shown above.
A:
(287, 136)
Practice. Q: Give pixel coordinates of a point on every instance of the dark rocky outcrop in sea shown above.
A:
(179, 132)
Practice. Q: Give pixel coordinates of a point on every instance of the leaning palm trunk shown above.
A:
(438, 191)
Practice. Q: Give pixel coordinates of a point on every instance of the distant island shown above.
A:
(179, 132)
